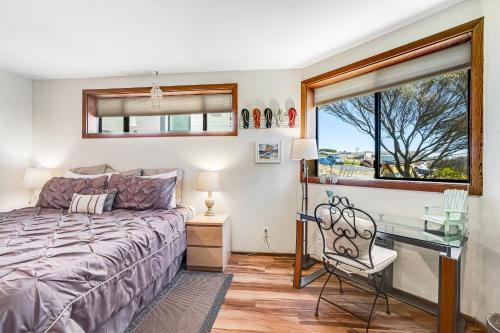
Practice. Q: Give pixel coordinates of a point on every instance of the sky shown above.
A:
(335, 134)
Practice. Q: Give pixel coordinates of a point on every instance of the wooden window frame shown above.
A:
(89, 97)
(470, 31)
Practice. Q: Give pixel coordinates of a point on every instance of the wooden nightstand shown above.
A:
(208, 242)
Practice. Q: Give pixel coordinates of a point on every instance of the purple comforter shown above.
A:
(63, 272)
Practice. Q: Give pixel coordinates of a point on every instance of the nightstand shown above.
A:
(208, 242)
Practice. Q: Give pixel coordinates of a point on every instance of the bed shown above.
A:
(62, 272)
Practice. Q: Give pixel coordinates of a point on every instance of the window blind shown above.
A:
(169, 105)
(453, 58)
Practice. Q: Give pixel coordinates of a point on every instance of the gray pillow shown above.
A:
(133, 172)
(91, 170)
(178, 184)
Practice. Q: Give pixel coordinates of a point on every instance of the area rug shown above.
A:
(189, 304)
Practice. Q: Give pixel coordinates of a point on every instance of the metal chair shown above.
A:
(349, 250)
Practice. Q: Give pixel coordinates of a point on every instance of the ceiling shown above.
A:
(93, 38)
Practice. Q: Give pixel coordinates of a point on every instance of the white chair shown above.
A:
(349, 248)
(453, 211)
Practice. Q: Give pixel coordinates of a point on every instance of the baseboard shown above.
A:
(270, 254)
(464, 316)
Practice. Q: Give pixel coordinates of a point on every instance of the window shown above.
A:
(346, 139)
(183, 111)
(414, 131)
(409, 118)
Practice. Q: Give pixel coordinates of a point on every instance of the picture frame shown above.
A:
(268, 151)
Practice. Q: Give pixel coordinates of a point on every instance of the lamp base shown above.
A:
(209, 203)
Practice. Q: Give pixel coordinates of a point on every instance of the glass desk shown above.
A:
(411, 231)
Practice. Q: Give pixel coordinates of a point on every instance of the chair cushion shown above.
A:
(381, 257)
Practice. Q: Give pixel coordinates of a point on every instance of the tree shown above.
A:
(422, 121)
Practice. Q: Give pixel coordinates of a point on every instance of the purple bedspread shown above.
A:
(63, 272)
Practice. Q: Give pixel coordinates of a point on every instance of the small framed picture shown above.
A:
(268, 152)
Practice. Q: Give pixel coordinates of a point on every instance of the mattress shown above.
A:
(63, 272)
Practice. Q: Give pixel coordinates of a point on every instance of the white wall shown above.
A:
(15, 139)
(256, 195)
(416, 270)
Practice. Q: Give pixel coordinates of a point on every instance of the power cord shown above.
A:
(266, 239)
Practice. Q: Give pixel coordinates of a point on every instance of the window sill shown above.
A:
(152, 135)
(399, 184)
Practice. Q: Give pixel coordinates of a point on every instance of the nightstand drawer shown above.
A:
(205, 257)
(204, 235)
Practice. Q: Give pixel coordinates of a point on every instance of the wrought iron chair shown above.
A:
(349, 248)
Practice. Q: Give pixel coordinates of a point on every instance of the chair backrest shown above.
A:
(347, 232)
(455, 201)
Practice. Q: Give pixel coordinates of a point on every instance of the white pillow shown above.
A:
(87, 204)
(167, 175)
(69, 174)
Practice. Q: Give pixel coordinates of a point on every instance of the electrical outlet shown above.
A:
(266, 231)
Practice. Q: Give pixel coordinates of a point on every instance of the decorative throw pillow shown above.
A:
(178, 184)
(87, 204)
(142, 193)
(171, 174)
(110, 199)
(58, 192)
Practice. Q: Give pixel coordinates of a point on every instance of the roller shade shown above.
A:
(450, 59)
(169, 105)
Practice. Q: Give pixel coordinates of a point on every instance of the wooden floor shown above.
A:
(262, 299)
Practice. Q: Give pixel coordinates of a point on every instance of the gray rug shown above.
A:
(189, 304)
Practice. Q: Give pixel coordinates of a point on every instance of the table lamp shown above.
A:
(34, 179)
(208, 181)
(304, 150)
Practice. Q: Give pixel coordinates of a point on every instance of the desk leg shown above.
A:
(298, 280)
(299, 243)
(449, 295)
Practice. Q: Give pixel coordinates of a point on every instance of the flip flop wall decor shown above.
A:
(268, 118)
(256, 118)
(245, 115)
(268, 114)
(292, 114)
(279, 118)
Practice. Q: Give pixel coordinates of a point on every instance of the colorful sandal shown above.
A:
(279, 118)
(292, 114)
(245, 115)
(268, 114)
(256, 118)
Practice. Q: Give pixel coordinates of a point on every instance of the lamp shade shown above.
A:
(208, 181)
(35, 178)
(304, 149)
